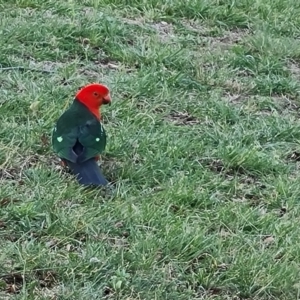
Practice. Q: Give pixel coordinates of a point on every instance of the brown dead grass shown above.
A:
(13, 282)
(182, 118)
(228, 39)
(294, 68)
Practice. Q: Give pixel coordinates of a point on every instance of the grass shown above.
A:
(203, 144)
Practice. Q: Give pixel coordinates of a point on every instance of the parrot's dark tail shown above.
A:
(88, 172)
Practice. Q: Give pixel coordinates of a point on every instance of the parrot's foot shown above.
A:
(63, 164)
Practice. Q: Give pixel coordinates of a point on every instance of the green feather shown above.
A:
(78, 124)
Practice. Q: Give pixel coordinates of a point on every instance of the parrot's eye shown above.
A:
(96, 94)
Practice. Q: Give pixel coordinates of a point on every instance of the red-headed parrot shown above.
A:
(79, 137)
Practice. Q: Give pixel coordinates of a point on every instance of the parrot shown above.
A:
(78, 137)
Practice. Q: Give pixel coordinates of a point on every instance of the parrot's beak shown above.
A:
(107, 99)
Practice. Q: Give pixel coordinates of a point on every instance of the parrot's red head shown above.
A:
(93, 96)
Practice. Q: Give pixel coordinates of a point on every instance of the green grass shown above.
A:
(203, 144)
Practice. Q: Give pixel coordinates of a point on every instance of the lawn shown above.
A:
(203, 150)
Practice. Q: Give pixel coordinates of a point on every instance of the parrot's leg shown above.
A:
(63, 164)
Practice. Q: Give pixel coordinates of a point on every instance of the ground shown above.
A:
(203, 150)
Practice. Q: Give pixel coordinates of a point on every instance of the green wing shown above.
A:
(92, 137)
(78, 135)
(64, 138)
